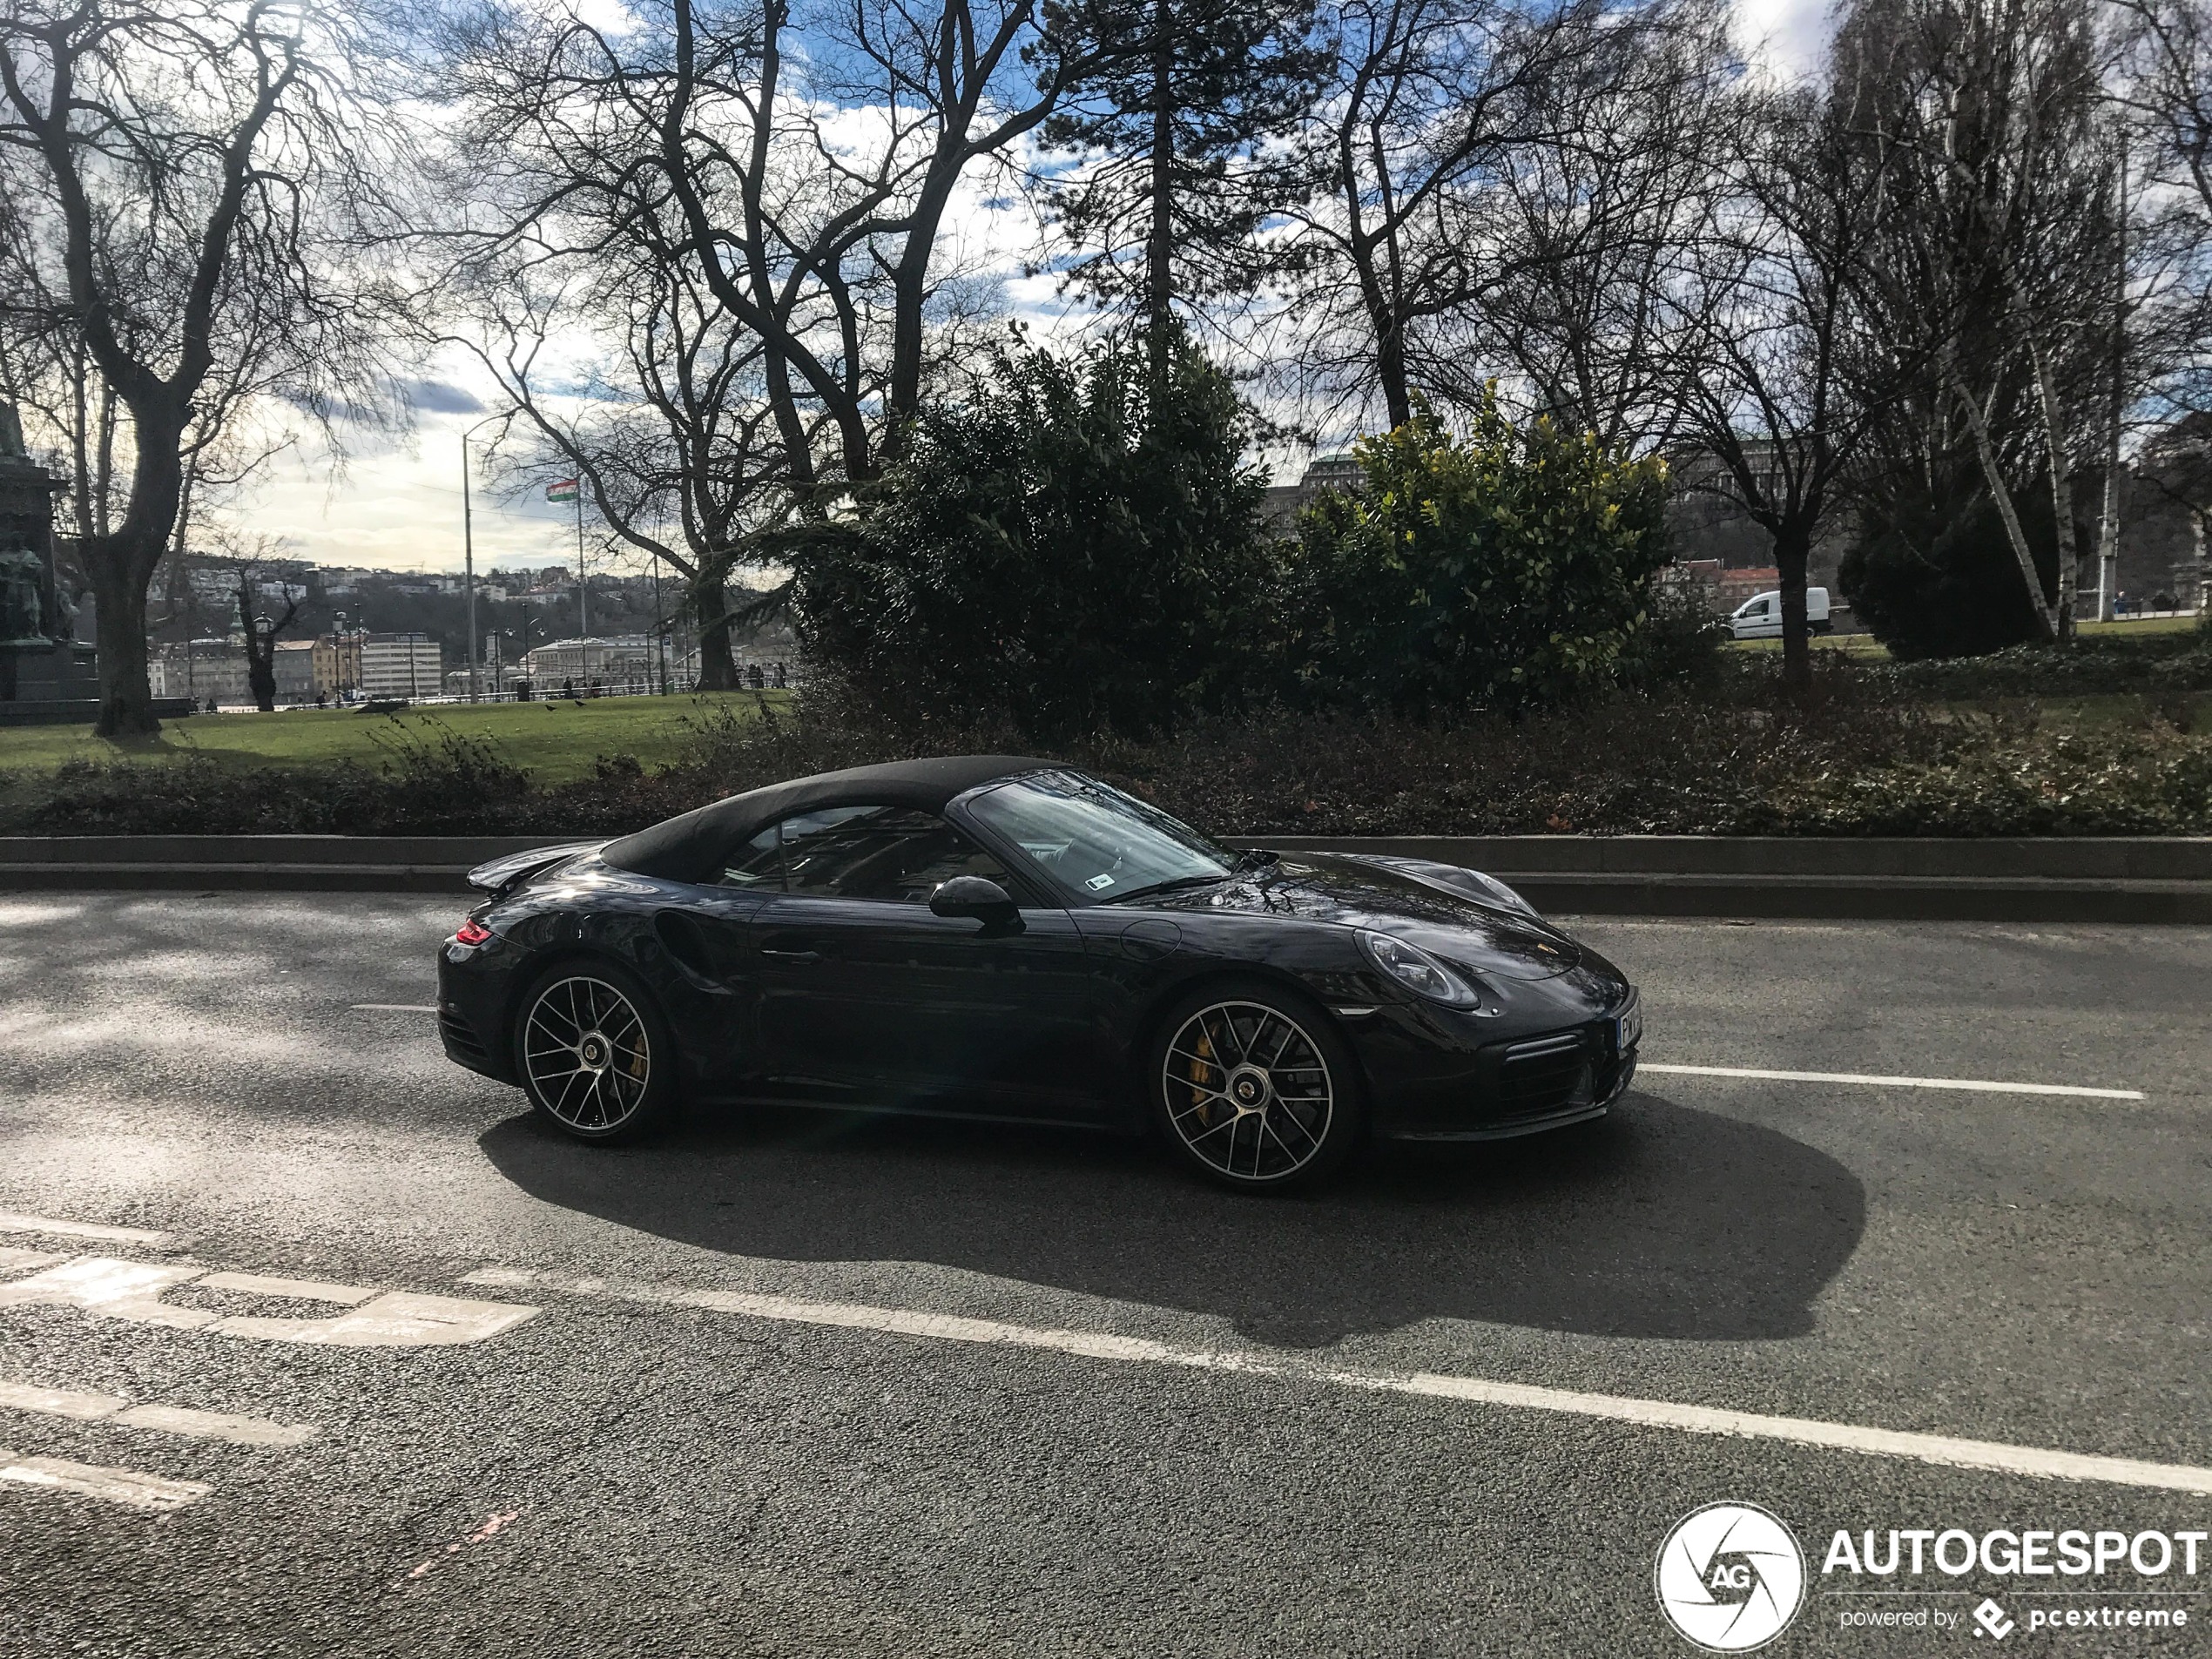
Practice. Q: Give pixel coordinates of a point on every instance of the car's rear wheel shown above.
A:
(1255, 1089)
(593, 1054)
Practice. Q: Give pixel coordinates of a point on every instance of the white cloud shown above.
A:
(1790, 35)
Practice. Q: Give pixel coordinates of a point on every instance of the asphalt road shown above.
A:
(746, 1416)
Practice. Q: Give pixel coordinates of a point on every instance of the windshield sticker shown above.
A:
(1099, 883)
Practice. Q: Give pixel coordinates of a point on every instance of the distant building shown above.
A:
(294, 663)
(336, 664)
(622, 659)
(201, 670)
(408, 665)
(1283, 502)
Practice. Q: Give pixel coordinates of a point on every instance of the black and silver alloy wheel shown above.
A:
(1254, 1092)
(589, 1055)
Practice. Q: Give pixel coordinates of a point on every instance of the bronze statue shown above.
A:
(21, 609)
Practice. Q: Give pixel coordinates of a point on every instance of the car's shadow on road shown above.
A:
(1660, 1221)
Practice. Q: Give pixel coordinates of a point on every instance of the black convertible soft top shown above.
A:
(687, 848)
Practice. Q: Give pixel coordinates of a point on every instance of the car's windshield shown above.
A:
(1095, 842)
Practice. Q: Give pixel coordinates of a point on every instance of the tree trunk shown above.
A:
(2069, 546)
(1390, 368)
(1390, 344)
(104, 486)
(1792, 556)
(80, 454)
(260, 674)
(126, 700)
(2002, 495)
(710, 599)
(1159, 248)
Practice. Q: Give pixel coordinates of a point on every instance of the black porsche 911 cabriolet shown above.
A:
(990, 936)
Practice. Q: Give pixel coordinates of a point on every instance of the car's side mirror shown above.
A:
(977, 899)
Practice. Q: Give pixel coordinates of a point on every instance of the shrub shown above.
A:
(1511, 570)
(2151, 663)
(1859, 755)
(1935, 581)
(1074, 550)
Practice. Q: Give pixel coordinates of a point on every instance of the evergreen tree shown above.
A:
(1076, 548)
(1180, 123)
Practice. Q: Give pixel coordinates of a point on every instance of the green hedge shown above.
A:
(1729, 758)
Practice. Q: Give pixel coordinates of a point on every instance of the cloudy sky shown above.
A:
(397, 505)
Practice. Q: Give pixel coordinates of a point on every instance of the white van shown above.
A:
(1761, 618)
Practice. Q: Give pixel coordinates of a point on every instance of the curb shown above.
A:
(2113, 880)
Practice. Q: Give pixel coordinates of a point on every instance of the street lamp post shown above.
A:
(468, 551)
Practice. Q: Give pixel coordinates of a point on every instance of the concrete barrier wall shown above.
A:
(2102, 879)
(2087, 858)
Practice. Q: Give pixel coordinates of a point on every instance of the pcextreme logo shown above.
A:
(1730, 1577)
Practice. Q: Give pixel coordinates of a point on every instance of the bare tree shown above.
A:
(1447, 122)
(747, 240)
(794, 198)
(1995, 253)
(178, 167)
(1593, 227)
(248, 557)
(1765, 331)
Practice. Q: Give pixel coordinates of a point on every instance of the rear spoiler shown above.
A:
(500, 874)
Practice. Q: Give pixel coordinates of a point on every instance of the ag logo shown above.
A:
(1730, 1577)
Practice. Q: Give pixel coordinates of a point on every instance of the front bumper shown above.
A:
(1442, 1077)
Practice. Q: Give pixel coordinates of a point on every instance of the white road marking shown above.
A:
(165, 1419)
(125, 1486)
(14, 1223)
(393, 1007)
(395, 1320)
(59, 1402)
(120, 1290)
(1894, 1082)
(1648, 1414)
(304, 1290)
(216, 1426)
(116, 1289)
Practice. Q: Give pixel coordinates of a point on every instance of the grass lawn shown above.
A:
(1865, 647)
(2139, 625)
(556, 741)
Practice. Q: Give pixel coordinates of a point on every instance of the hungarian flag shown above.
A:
(561, 489)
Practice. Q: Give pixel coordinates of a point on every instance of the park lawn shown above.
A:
(2139, 625)
(1867, 649)
(554, 741)
(1862, 647)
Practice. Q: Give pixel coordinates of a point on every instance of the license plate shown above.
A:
(1627, 1029)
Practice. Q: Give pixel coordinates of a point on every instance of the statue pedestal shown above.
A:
(47, 682)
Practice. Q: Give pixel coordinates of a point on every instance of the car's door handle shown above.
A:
(791, 955)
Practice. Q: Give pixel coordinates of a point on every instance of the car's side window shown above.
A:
(890, 853)
(756, 863)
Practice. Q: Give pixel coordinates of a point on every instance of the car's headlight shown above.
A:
(1418, 971)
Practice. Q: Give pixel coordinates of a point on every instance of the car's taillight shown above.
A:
(472, 931)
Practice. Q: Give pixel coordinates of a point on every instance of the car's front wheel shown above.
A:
(1255, 1088)
(593, 1054)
